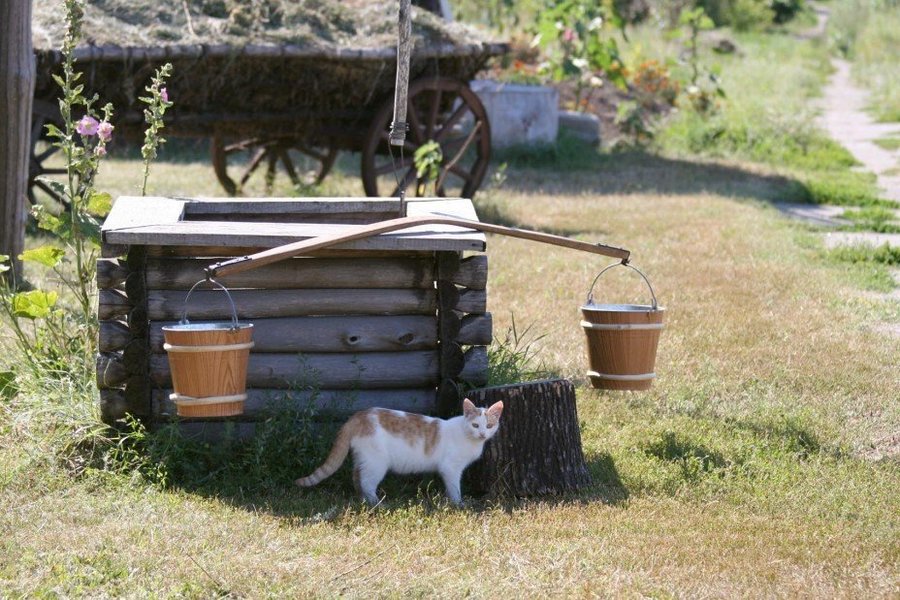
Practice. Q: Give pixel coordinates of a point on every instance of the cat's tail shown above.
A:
(358, 424)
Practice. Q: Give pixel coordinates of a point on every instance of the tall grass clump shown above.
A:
(868, 33)
(514, 358)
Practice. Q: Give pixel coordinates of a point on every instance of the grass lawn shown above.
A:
(749, 469)
(765, 461)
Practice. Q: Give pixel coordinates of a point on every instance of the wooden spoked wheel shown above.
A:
(263, 157)
(42, 155)
(442, 110)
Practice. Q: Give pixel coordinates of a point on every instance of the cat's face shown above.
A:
(481, 423)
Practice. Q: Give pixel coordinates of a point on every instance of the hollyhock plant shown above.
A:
(87, 126)
(104, 130)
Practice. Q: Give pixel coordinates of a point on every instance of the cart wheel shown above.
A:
(261, 157)
(42, 151)
(442, 110)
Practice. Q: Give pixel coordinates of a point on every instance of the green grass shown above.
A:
(889, 143)
(873, 218)
(763, 462)
(768, 117)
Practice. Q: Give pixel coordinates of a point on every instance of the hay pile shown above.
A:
(323, 24)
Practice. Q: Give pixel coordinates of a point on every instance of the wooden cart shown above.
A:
(264, 107)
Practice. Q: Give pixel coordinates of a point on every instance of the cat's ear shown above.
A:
(495, 410)
(469, 408)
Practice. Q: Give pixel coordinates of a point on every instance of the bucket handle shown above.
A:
(234, 318)
(590, 298)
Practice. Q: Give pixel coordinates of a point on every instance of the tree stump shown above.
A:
(538, 447)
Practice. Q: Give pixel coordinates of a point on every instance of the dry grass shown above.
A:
(738, 475)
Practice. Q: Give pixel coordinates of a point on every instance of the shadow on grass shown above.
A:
(638, 172)
(255, 475)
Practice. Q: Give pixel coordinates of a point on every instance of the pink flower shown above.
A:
(568, 35)
(100, 151)
(104, 130)
(87, 125)
(164, 94)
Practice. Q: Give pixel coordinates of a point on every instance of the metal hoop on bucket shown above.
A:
(590, 297)
(234, 318)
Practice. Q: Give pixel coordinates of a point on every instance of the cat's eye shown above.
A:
(475, 425)
(489, 425)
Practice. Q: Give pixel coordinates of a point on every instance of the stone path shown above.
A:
(846, 121)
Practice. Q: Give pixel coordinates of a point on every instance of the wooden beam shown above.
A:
(413, 225)
(181, 274)
(252, 304)
(368, 370)
(325, 404)
(332, 334)
(476, 330)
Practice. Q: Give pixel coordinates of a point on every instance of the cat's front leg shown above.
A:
(452, 479)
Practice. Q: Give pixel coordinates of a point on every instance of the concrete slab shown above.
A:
(821, 215)
(861, 238)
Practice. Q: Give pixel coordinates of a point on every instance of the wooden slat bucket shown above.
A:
(622, 340)
(208, 362)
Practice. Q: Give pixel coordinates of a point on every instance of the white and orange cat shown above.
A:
(385, 440)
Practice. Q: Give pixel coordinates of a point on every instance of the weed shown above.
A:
(884, 254)
(879, 219)
(888, 143)
(513, 359)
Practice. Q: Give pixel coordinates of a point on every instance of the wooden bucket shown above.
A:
(208, 362)
(622, 340)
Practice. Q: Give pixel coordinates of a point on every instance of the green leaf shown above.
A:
(35, 304)
(54, 185)
(99, 204)
(47, 221)
(49, 256)
(54, 131)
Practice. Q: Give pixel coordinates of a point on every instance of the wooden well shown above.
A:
(397, 320)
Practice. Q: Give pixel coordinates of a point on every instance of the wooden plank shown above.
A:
(221, 233)
(367, 370)
(110, 272)
(458, 208)
(130, 212)
(475, 372)
(321, 206)
(333, 334)
(114, 335)
(115, 404)
(167, 305)
(112, 304)
(476, 330)
(341, 218)
(472, 301)
(181, 274)
(326, 404)
(233, 251)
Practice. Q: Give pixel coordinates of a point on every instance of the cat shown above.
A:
(385, 440)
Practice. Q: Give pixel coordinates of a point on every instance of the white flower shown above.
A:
(595, 23)
(596, 81)
(580, 63)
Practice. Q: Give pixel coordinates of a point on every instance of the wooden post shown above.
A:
(16, 92)
(538, 447)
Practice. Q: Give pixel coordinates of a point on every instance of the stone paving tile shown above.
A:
(860, 238)
(822, 215)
